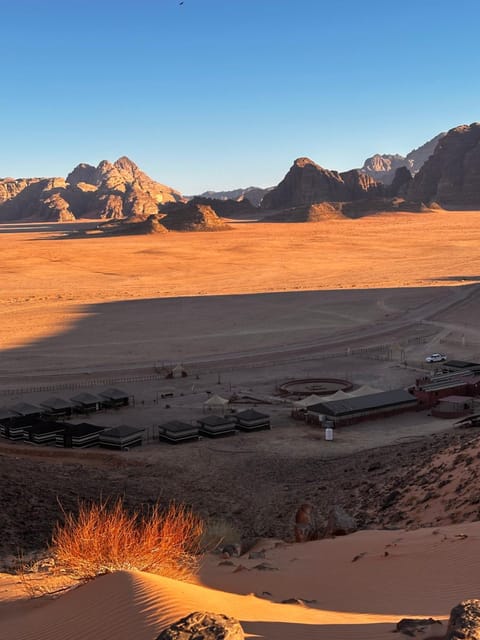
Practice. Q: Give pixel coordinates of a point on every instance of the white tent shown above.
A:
(178, 371)
(308, 401)
(215, 403)
(338, 395)
(364, 390)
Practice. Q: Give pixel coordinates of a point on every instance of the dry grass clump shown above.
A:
(103, 538)
(218, 532)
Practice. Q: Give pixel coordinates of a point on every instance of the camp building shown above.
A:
(368, 407)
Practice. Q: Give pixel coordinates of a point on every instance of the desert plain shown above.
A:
(244, 310)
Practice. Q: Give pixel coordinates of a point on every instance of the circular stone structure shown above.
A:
(317, 386)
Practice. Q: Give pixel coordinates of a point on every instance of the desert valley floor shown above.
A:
(244, 310)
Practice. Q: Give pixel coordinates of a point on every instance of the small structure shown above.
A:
(212, 426)
(453, 407)
(121, 438)
(80, 436)
(57, 408)
(177, 431)
(86, 403)
(114, 398)
(251, 420)
(352, 410)
(166, 392)
(429, 391)
(6, 419)
(25, 416)
(216, 404)
(44, 432)
(461, 365)
(177, 372)
(27, 410)
(299, 409)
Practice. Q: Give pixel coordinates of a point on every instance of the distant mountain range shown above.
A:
(444, 172)
(252, 194)
(382, 167)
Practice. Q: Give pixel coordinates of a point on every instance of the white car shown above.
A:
(436, 357)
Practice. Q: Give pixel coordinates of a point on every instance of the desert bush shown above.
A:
(218, 533)
(104, 537)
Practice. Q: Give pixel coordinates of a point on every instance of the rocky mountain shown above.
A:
(110, 190)
(308, 183)
(253, 194)
(451, 176)
(382, 167)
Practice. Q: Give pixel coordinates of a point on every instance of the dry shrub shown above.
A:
(104, 537)
(218, 532)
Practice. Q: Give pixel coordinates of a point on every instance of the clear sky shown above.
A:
(215, 94)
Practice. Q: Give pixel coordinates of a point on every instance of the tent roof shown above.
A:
(251, 414)
(25, 409)
(85, 398)
(309, 400)
(215, 401)
(364, 390)
(456, 399)
(350, 406)
(56, 403)
(338, 395)
(216, 421)
(122, 431)
(114, 394)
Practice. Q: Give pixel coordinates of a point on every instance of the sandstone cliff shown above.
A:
(451, 176)
(308, 183)
(110, 190)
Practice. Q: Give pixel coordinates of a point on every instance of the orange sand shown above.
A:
(425, 573)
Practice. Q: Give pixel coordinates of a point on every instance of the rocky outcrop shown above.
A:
(202, 625)
(305, 524)
(400, 183)
(110, 190)
(464, 621)
(129, 227)
(193, 217)
(308, 183)
(421, 627)
(308, 213)
(340, 523)
(40, 199)
(451, 176)
(10, 188)
(55, 208)
(417, 157)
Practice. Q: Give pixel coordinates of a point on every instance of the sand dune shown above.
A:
(425, 573)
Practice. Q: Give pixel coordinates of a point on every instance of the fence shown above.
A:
(375, 352)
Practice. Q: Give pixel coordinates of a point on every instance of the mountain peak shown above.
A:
(125, 164)
(303, 162)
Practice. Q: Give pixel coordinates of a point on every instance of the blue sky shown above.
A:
(216, 94)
